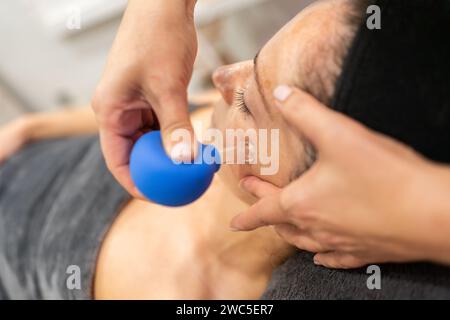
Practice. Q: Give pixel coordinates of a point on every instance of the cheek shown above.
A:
(281, 160)
(237, 120)
(231, 174)
(291, 159)
(226, 117)
(219, 113)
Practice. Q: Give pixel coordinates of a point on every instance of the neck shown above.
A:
(251, 252)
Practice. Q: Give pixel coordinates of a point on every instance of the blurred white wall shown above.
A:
(43, 68)
(44, 65)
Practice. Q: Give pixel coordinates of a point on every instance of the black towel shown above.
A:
(396, 80)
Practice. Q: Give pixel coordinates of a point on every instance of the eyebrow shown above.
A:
(258, 82)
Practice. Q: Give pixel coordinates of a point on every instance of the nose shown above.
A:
(227, 78)
(223, 81)
(219, 75)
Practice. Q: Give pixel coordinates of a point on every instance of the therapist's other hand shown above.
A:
(145, 82)
(367, 199)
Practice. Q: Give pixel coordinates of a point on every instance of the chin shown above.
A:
(232, 182)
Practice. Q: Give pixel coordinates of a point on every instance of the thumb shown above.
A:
(176, 129)
(258, 187)
(318, 123)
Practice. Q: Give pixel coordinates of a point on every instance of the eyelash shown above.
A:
(240, 101)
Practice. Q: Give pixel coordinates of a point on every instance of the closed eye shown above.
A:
(239, 101)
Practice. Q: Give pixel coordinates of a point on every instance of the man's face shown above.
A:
(247, 88)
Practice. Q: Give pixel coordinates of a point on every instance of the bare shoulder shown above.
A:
(141, 255)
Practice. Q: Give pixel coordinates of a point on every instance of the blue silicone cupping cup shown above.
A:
(163, 181)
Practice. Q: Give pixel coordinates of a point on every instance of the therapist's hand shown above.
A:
(145, 81)
(367, 199)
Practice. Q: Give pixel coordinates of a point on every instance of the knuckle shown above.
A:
(161, 89)
(288, 201)
(263, 221)
(96, 101)
(328, 240)
(101, 101)
(297, 206)
(332, 241)
(307, 217)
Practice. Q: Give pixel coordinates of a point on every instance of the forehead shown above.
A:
(284, 56)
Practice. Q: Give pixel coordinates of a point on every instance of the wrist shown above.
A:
(430, 214)
(167, 9)
(439, 221)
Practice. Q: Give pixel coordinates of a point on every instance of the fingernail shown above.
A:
(181, 152)
(316, 262)
(282, 92)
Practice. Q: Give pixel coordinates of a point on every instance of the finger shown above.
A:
(336, 260)
(116, 150)
(298, 238)
(176, 129)
(317, 122)
(267, 211)
(258, 187)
